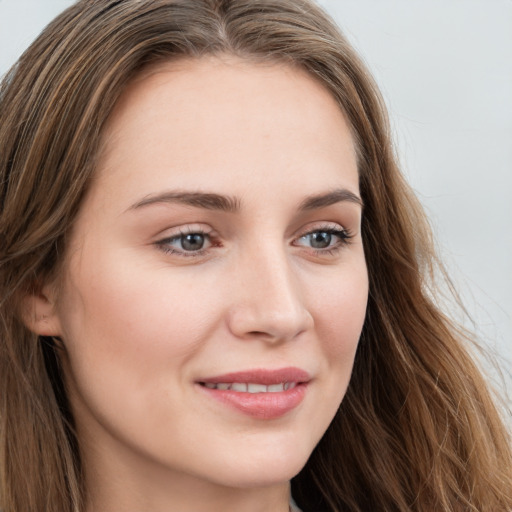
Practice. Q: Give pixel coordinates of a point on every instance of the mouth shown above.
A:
(261, 394)
(250, 387)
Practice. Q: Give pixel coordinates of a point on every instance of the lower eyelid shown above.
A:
(343, 236)
(165, 243)
(168, 249)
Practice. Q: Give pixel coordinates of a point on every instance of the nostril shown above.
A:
(265, 319)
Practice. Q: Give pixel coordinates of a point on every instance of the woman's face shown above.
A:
(215, 284)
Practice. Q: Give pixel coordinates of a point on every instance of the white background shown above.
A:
(445, 69)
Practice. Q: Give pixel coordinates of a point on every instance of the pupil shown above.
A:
(192, 242)
(321, 240)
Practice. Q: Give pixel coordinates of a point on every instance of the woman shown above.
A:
(215, 281)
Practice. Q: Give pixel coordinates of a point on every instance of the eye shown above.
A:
(325, 239)
(319, 239)
(190, 243)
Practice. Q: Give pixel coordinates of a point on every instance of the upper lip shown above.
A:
(261, 376)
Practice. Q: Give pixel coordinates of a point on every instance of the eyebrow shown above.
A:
(338, 195)
(212, 201)
(207, 201)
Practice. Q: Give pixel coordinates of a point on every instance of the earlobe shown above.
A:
(39, 314)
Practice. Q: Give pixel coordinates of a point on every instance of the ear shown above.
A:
(39, 312)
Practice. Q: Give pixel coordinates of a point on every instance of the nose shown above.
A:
(267, 302)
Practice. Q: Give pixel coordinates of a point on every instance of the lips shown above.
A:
(251, 387)
(261, 394)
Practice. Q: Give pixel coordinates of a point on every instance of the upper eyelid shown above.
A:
(209, 234)
(204, 227)
(183, 229)
(187, 229)
(319, 226)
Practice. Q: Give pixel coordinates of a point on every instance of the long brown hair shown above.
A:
(417, 429)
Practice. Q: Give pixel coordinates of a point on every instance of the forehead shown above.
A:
(221, 115)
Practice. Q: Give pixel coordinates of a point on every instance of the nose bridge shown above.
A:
(268, 301)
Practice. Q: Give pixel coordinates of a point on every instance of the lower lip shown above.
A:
(264, 406)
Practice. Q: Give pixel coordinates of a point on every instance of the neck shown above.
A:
(132, 488)
(228, 500)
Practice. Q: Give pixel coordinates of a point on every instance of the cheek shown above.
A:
(340, 311)
(129, 334)
(130, 304)
(124, 327)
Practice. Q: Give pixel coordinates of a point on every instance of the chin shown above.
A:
(263, 470)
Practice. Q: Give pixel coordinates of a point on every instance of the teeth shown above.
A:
(243, 387)
(256, 388)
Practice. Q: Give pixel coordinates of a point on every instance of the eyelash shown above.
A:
(344, 238)
(164, 244)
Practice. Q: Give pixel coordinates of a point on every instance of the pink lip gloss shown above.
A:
(262, 394)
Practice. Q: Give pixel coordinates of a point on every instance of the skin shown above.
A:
(141, 325)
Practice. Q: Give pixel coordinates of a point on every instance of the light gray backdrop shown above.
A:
(445, 69)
